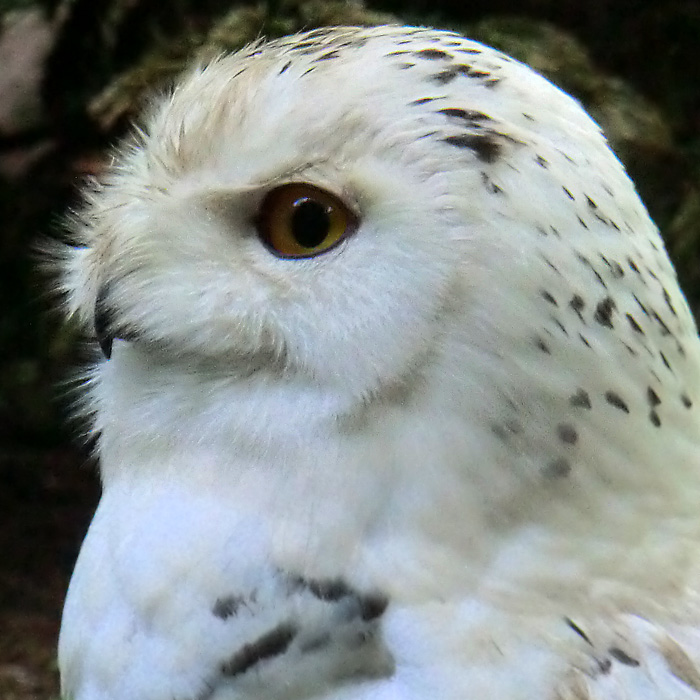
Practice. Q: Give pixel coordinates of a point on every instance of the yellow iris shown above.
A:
(299, 220)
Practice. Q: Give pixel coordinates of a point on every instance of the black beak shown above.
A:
(103, 323)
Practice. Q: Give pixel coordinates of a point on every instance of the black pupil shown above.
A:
(310, 223)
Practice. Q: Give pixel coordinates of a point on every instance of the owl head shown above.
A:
(351, 217)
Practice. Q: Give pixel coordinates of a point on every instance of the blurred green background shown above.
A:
(73, 74)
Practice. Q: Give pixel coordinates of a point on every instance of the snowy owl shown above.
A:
(398, 394)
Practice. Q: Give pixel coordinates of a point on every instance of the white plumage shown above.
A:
(399, 398)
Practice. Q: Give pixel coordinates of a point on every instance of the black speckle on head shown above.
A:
(318, 33)
(633, 266)
(485, 146)
(471, 116)
(470, 51)
(667, 299)
(622, 656)
(446, 76)
(560, 325)
(584, 341)
(548, 297)
(424, 100)
(685, 400)
(557, 469)
(591, 203)
(328, 56)
(449, 74)
(490, 185)
(577, 304)
(652, 397)
(665, 330)
(585, 261)
(356, 43)
(542, 162)
(580, 399)
(604, 311)
(568, 193)
(285, 66)
(550, 264)
(634, 325)
(654, 418)
(641, 306)
(541, 345)
(432, 54)
(582, 222)
(614, 399)
(508, 137)
(578, 630)
(567, 433)
(300, 46)
(664, 359)
(614, 267)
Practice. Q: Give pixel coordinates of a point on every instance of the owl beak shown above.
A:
(103, 323)
(107, 326)
(105, 342)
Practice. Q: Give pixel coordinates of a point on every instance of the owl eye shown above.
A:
(298, 220)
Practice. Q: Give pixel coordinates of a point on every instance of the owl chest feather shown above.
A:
(311, 575)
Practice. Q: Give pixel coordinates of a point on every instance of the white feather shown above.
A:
(479, 410)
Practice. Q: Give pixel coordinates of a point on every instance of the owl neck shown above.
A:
(457, 481)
